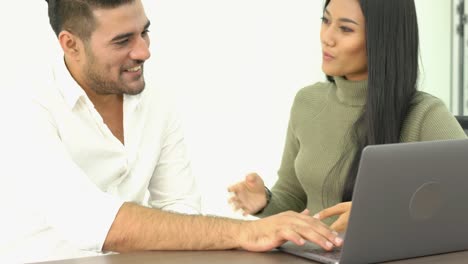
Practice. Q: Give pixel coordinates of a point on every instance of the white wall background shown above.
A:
(435, 25)
(234, 67)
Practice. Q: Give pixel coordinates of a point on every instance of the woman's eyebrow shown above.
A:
(346, 20)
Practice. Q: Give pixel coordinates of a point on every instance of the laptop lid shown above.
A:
(410, 200)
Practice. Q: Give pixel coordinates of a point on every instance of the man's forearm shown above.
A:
(137, 228)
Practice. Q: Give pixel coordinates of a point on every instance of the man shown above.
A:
(101, 140)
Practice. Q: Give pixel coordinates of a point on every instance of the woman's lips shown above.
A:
(327, 56)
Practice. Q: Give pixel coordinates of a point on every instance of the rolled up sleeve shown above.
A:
(172, 186)
(72, 204)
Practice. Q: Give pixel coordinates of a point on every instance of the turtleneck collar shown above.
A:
(352, 93)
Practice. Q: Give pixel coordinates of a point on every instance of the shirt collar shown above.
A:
(70, 89)
(352, 93)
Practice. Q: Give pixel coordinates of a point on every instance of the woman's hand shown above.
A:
(248, 195)
(341, 209)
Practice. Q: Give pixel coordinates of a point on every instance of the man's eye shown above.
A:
(122, 42)
(144, 33)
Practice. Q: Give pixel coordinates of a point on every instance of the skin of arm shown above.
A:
(138, 228)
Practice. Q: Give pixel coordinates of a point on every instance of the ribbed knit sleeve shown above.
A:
(287, 192)
(429, 119)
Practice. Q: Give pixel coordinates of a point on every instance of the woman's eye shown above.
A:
(346, 29)
(325, 20)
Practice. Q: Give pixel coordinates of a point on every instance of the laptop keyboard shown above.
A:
(333, 254)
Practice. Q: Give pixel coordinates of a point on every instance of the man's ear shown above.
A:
(71, 44)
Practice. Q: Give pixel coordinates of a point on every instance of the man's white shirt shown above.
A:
(72, 174)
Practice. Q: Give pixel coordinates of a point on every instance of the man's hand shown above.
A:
(270, 232)
(341, 209)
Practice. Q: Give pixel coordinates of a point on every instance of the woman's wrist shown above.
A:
(268, 196)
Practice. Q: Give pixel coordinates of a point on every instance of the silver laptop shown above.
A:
(410, 200)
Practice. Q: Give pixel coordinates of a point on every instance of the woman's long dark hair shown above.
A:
(392, 41)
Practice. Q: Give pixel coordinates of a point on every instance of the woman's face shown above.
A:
(343, 37)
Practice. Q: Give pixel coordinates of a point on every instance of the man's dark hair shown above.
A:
(77, 16)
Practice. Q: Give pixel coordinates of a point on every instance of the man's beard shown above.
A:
(99, 84)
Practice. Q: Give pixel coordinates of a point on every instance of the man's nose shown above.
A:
(141, 50)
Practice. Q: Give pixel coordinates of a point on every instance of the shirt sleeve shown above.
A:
(440, 124)
(172, 186)
(72, 204)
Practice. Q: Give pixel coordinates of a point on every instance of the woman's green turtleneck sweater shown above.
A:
(321, 117)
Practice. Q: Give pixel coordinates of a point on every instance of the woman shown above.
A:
(370, 57)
